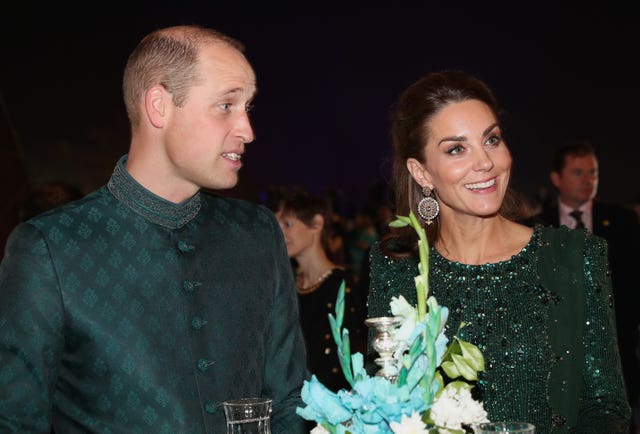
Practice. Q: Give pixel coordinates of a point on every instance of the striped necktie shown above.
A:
(577, 214)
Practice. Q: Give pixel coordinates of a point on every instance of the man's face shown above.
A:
(205, 139)
(577, 183)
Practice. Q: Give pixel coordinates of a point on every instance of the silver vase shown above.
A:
(385, 344)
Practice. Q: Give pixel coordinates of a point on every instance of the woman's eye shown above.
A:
(493, 140)
(455, 149)
(225, 106)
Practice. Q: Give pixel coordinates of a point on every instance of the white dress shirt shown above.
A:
(570, 222)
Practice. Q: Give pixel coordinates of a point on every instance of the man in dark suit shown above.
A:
(574, 173)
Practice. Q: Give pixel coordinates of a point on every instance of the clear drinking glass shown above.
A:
(248, 415)
(506, 428)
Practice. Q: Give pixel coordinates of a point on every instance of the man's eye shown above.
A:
(225, 106)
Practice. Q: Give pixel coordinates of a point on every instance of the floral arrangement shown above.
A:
(432, 391)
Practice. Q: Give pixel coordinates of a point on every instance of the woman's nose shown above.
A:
(483, 162)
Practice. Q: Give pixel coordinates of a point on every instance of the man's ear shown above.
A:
(555, 178)
(156, 99)
(419, 173)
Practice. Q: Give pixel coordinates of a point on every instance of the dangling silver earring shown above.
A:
(428, 207)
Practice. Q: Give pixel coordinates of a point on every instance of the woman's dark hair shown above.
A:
(305, 206)
(415, 107)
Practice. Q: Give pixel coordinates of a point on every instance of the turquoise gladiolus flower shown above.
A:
(322, 404)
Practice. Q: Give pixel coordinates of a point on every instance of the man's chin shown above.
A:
(221, 186)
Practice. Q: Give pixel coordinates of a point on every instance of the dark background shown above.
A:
(327, 78)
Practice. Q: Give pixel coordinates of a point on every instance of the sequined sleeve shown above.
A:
(389, 277)
(604, 406)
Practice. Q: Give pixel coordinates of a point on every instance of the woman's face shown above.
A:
(467, 161)
(297, 235)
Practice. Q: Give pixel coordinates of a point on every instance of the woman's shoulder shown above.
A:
(390, 255)
(391, 271)
(566, 239)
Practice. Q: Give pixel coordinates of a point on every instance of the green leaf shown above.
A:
(331, 428)
(340, 303)
(463, 367)
(400, 221)
(472, 355)
(451, 369)
(335, 329)
(344, 357)
(341, 339)
(457, 385)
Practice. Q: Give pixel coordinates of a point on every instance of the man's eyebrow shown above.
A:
(232, 91)
(237, 91)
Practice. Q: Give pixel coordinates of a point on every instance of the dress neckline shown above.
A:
(518, 257)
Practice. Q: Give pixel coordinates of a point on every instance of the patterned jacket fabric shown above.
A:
(123, 312)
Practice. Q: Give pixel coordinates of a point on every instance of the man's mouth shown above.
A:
(232, 156)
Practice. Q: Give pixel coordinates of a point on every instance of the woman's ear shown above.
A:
(318, 222)
(155, 104)
(419, 173)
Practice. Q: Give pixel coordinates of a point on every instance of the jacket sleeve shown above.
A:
(604, 406)
(31, 338)
(286, 364)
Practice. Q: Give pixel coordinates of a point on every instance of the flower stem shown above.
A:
(422, 281)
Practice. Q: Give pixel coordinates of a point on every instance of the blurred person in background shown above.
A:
(575, 175)
(305, 220)
(48, 196)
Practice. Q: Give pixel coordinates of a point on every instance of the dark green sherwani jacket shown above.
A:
(126, 313)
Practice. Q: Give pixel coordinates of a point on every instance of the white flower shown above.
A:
(401, 308)
(454, 408)
(409, 425)
(319, 429)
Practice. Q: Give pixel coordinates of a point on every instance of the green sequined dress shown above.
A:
(544, 321)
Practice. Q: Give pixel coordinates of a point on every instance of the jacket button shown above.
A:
(185, 247)
(190, 285)
(210, 407)
(203, 365)
(197, 322)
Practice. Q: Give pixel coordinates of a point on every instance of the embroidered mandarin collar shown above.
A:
(150, 206)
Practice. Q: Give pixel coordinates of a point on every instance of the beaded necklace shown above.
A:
(309, 289)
